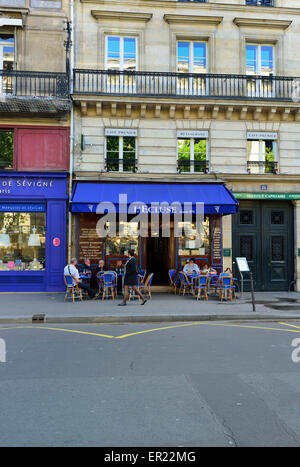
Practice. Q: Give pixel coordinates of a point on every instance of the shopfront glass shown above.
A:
(192, 242)
(126, 238)
(22, 241)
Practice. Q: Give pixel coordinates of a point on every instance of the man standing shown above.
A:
(71, 270)
(130, 278)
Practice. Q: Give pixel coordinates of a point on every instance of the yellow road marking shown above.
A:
(124, 336)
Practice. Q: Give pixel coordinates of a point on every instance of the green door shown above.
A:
(263, 233)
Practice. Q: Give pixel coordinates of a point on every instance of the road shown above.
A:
(179, 384)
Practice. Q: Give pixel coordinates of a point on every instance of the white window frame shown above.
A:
(121, 37)
(121, 139)
(261, 154)
(192, 152)
(259, 91)
(191, 64)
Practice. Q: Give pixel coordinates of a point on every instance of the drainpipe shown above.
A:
(71, 129)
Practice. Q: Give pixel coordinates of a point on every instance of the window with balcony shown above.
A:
(120, 154)
(260, 65)
(260, 2)
(192, 62)
(192, 154)
(262, 157)
(6, 149)
(7, 58)
(121, 58)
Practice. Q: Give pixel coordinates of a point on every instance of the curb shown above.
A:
(149, 319)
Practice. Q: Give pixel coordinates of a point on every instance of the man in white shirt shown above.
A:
(71, 270)
(191, 267)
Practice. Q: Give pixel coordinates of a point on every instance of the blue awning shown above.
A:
(217, 199)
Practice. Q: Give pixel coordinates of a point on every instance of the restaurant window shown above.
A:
(192, 155)
(262, 156)
(22, 241)
(126, 238)
(7, 58)
(120, 153)
(192, 242)
(6, 149)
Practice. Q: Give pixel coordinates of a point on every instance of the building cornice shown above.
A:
(193, 19)
(262, 23)
(173, 4)
(121, 16)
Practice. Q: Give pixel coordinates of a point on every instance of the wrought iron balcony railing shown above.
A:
(34, 84)
(184, 166)
(262, 167)
(120, 165)
(187, 85)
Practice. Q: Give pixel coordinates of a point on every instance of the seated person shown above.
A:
(86, 268)
(101, 266)
(119, 268)
(71, 270)
(191, 267)
(208, 269)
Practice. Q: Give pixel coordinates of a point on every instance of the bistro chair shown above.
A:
(132, 294)
(173, 282)
(72, 291)
(201, 287)
(109, 284)
(226, 285)
(100, 282)
(185, 284)
(142, 275)
(146, 287)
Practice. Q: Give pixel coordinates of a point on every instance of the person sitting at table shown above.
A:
(191, 267)
(86, 268)
(72, 270)
(208, 269)
(119, 268)
(101, 266)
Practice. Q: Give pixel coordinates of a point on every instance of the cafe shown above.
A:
(33, 220)
(159, 247)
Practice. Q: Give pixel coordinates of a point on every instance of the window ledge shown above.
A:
(121, 16)
(262, 23)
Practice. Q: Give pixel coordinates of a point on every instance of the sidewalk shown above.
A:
(20, 308)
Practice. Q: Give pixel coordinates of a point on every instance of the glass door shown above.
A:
(121, 60)
(192, 63)
(260, 63)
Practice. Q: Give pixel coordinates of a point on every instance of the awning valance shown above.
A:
(217, 199)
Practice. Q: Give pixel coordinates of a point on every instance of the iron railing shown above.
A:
(34, 84)
(120, 165)
(192, 166)
(262, 167)
(187, 85)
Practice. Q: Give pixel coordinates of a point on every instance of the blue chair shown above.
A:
(173, 283)
(226, 284)
(143, 273)
(146, 287)
(72, 291)
(185, 284)
(109, 284)
(201, 287)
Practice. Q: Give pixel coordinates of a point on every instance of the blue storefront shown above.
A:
(33, 220)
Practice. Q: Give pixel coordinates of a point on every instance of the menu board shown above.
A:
(216, 235)
(89, 244)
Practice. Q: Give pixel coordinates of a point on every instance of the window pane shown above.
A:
(200, 149)
(253, 151)
(267, 63)
(129, 54)
(113, 53)
(193, 242)
(6, 149)
(199, 65)
(251, 59)
(183, 57)
(22, 241)
(112, 143)
(126, 239)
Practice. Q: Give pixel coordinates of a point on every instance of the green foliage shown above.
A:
(6, 149)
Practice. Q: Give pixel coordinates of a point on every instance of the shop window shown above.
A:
(22, 241)
(192, 155)
(126, 238)
(120, 153)
(262, 157)
(6, 149)
(193, 242)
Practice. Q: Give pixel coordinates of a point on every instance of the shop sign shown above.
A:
(12, 207)
(276, 196)
(120, 132)
(23, 186)
(226, 251)
(56, 241)
(192, 134)
(256, 135)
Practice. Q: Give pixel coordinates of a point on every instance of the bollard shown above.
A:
(252, 291)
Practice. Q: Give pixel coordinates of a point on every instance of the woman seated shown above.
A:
(208, 269)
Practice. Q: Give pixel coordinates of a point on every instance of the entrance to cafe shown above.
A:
(263, 232)
(158, 259)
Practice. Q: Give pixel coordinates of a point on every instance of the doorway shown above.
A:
(158, 259)
(263, 232)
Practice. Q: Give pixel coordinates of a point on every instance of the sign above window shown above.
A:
(262, 135)
(120, 132)
(192, 134)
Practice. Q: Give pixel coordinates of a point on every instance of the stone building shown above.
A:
(198, 100)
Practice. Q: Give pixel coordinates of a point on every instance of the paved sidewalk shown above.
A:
(20, 308)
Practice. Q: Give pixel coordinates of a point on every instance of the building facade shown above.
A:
(34, 144)
(192, 94)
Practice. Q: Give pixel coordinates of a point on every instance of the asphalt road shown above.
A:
(191, 384)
